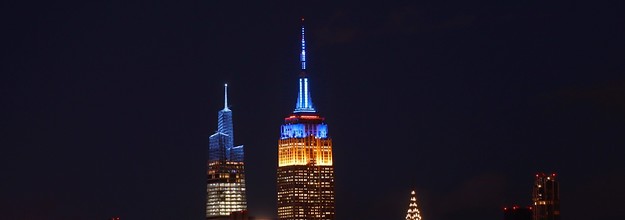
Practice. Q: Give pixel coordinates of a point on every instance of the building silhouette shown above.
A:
(305, 168)
(546, 197)
(240, 215)
(516, 212)
(225, 187)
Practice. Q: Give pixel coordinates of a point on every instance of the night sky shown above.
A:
(107, 106)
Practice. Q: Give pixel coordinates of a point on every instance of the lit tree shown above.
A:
(413, 211)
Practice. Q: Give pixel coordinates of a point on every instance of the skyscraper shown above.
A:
(413, 211)
(546, 197)
(225, 187)
(305, 169)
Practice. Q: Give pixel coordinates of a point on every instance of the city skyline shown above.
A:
(107, 106)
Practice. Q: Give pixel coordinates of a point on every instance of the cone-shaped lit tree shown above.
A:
(413, 211)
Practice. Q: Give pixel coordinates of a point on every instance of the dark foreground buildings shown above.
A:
(517, 213)
(305, 170)
(546, 197)
(225, 187)
(545, 201)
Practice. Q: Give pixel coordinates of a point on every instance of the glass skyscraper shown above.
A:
(305, 168)
(225, 188)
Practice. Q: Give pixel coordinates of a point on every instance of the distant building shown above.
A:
(546, 197)
(225, 187)
(517, 213)
(305, 170)
(413, 211)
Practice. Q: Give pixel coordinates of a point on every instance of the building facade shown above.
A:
(546, 197)
(305, 167)
(225, 187)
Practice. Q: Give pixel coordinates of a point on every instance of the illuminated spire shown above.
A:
(304, 102)
(413, 211)
(226, 97)
(302, 57)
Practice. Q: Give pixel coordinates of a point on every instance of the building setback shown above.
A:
(225, 187)
(305, 168)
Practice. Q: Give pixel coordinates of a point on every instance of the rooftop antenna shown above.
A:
(226, 97)
(302, 57)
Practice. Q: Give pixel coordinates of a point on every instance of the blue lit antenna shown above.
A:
(302, 56)
(304, 102)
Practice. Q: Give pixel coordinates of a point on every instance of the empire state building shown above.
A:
(305, 169)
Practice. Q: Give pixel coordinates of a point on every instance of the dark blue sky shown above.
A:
(107, 107)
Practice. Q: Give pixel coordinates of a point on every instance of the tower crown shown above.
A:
(304, 102)
(413, 211)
